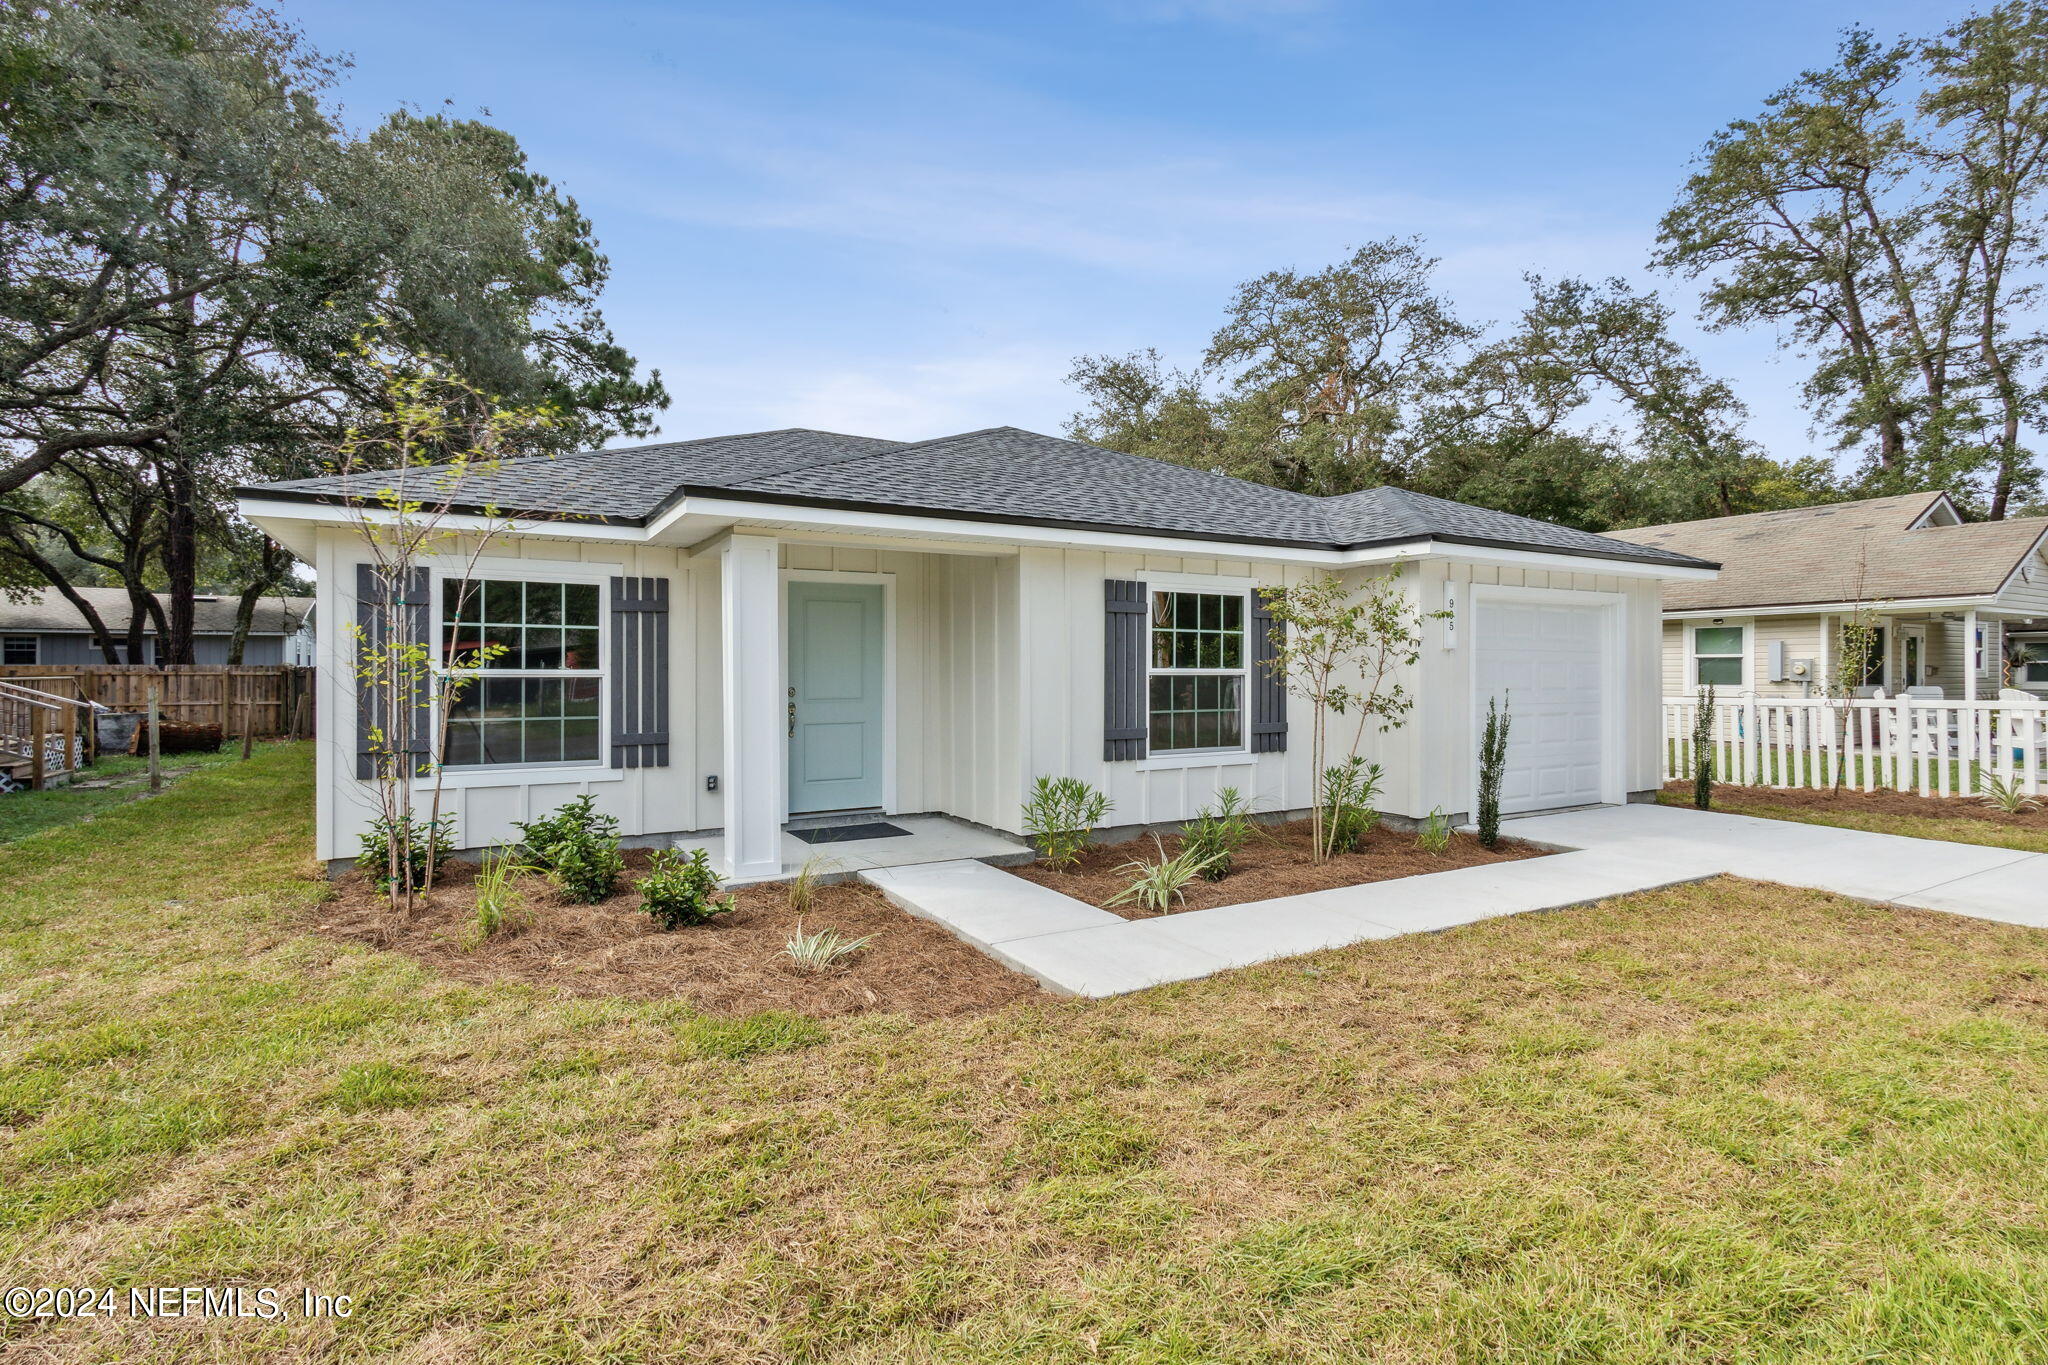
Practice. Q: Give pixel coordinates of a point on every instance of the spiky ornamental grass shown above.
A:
(1493, 766)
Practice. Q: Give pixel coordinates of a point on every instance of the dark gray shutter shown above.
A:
(372, 595)
(639, 672)
(1123, 669)
(1269, 687)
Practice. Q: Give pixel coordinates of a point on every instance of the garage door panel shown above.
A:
(1549, 659)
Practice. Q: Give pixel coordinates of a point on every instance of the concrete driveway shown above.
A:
(1929, 874)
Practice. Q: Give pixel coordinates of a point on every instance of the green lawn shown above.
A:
(1720, 1123)
(24, 813)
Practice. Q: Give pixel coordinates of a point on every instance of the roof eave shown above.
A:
(683, 493)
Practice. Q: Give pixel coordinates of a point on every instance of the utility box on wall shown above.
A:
(1784, 669)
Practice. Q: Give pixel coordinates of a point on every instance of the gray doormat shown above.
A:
(840, 834)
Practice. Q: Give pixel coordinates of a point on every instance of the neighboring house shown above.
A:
(46, 629)
(1962, 606)
(723, 634)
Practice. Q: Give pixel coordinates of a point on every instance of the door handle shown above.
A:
(792, 720)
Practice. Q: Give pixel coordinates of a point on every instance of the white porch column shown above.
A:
(1970, 654)
(751, 617)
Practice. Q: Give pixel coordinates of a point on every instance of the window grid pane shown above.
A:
(536, 626)
(521, 623)
(1197, 712)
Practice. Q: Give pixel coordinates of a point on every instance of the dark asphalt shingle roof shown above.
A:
(999, 474)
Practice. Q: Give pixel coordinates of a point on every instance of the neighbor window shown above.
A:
(1198, 661)
(2034, 662)
(1717, 655)
(18, 649)
(526, 655)
(1873, 660)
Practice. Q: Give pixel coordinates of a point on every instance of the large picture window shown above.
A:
(527, 652)
(1197, 682)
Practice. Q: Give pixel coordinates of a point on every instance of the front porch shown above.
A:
(924, 839)
(861, 680)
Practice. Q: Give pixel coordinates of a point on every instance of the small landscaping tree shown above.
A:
(1343, 649)
(1703, 750)
(1493, 766)
(413, 469)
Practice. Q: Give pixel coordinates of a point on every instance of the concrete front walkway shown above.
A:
(1075, 949)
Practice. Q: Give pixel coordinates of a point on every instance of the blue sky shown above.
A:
(907, 219)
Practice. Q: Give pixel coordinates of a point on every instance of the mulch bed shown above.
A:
(1275, 863)
(1882, 803)
(732, 966)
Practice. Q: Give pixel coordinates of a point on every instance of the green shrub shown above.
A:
(1215, 836)
(1059, 816)
(681, 891)
(1493, 766)
(586, 866)
(1435, 835)
(580, 818)
(374, 861)
(1157, 886)
(1349, 789)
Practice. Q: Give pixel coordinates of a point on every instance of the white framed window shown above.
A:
(1197, 670)
(529, 653)
(19, 649)
(1720, 656)
(2033, 663)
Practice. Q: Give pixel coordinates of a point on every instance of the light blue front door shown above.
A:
(835, 696)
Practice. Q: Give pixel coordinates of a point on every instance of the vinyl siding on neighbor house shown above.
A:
(67, 648)
(1947, 652)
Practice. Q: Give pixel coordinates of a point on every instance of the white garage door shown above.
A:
(1549, 662)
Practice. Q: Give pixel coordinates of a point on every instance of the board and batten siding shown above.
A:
(644, 800)
(1060, 605)
(998, 679)
(1432, 762)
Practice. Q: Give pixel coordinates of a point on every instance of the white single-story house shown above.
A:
(44, 628)
(730, 633)
(1960, 606)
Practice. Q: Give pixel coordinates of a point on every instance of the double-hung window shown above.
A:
(2033, 669)
(525, 660)
(1197, 681)
(1717, 655)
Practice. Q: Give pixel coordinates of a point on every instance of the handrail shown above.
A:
(31, 697)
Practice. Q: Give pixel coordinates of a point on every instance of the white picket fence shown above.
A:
(1908, 744)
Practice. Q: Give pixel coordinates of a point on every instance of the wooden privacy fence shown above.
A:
(1908, 744)
(268, 700)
